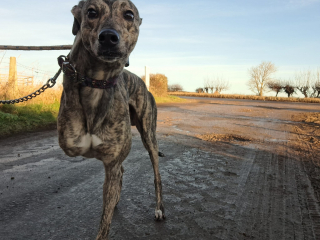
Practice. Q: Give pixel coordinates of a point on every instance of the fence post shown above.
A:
(12, 81)
(147, 74)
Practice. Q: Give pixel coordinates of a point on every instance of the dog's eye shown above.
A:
(128, 15)
(92, 13)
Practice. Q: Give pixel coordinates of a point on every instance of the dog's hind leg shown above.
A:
(122, 171)
(159, 211)
(150, 143)
(147, 125)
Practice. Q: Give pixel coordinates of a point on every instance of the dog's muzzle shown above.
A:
(109, 38)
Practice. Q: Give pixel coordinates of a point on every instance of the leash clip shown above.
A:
(67, 67)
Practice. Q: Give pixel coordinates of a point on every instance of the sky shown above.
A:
(188, 41)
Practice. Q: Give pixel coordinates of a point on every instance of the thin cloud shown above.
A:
(5, 12)
(302, 3)
(206, 40)
(155, 26)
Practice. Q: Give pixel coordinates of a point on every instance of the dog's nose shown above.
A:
(109, 38)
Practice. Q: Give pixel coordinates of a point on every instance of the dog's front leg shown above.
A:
(73, 137)
(111, 196)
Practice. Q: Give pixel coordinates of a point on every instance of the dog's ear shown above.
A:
(76, 11)
(127, 63)
(75, 27)
(140, 21)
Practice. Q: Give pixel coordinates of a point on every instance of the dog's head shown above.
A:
(109, 29)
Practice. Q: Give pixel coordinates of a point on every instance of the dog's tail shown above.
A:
(161, 154)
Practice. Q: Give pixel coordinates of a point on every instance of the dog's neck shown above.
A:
(88, 65)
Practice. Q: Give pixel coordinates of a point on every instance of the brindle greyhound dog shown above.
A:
(101, 100)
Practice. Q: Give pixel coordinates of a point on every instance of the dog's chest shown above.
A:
(103, 108)
(91, 97)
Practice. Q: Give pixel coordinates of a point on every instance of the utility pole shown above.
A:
(12, 81)
(147, 74)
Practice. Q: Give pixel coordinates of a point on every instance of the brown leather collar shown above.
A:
(84, 81)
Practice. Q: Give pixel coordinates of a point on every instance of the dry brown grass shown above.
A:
(223, 138)
(251, 97)
(308, 131)
(158, 84)
(50, 96)
(313, 117)
(306, 145)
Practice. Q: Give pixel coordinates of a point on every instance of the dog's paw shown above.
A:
(161, 154)
(159, 215)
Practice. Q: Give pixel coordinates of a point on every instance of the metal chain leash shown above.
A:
(50, 83)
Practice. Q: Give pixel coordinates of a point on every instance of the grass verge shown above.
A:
(31, 117)
(17, 119)
(169, 99)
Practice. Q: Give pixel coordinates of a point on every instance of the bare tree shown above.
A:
(206, 84)
(316, 89)
(216, 84)
(288, 88)
(210, 86)
(175, 88)
(220, 84)
(303, 81)
(199, 90)
(316, 84)
(275, 86)
(260, 76)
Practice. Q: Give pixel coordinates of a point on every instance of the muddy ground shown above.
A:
(234, 169)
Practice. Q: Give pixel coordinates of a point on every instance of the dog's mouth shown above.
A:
(109, 55)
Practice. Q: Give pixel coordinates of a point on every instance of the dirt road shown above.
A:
(244, 183)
